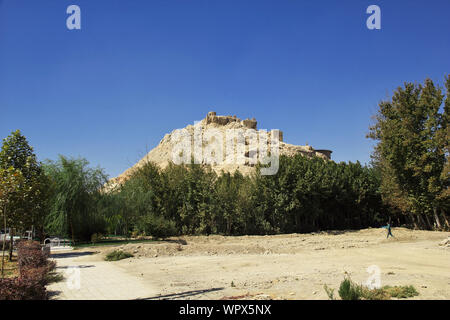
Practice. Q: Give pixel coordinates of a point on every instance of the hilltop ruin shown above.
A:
(163, 154)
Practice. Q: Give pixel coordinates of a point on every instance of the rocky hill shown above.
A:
(168, 148)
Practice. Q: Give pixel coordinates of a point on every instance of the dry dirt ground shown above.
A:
(293, 266)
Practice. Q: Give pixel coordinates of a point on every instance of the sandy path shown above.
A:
(283, 266)
(89, 278)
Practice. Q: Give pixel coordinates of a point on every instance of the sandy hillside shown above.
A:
(163, 153)
(294, 266)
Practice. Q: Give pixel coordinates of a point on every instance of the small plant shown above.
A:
(401, 292)
(348, 290)
(11, 269)
(232, 284)
(330, 292)
(159, 227)
(96, 237)
(118, 255)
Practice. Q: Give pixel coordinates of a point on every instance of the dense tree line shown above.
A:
(305, 195)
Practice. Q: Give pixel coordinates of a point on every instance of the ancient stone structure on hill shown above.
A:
(211, 117)
(164, 153)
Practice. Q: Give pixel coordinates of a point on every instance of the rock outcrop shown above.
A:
(163, 154)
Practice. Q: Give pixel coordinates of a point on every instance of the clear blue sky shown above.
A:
(138, 69)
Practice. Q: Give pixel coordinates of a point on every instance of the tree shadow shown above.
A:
(181, 295)
(337, 232)
(179, 241)
(83, 266)
(53, 294)
(71, 254)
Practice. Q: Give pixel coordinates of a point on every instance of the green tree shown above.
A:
(28, 211)
(76, 191)
(444, 136)
(307, 194)
(11, 181)
(410, 130)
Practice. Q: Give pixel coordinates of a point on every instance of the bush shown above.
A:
(22, 288)
(30, 255)
(34, 270)
(350, 291)
(159, 227)
(375, 294)
(36, 274)
(401, 292)
(117, 255)
(96, 237)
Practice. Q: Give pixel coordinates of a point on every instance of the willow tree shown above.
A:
(75, 194)
(411, 150)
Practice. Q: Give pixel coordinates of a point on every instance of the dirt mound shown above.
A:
(216, 245)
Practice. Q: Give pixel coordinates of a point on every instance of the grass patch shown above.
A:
(388, 292)
(110, 242)
(10, 269)
(348, 290)
(401, 292)
(118, 255)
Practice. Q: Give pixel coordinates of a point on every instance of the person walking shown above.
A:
(389, 230)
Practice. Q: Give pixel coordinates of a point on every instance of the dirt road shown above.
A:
(294, 266)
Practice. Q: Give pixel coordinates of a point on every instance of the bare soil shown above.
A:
(293, 266)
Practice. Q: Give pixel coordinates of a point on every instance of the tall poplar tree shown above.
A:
(411, 151)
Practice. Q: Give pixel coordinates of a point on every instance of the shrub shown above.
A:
(159, 227)
(349, 290)
(375, 294)
(36, 274)
(401, 292)
(30, 255)
(117, 255)
(96, 237)
(34, 271)
(22, 288)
